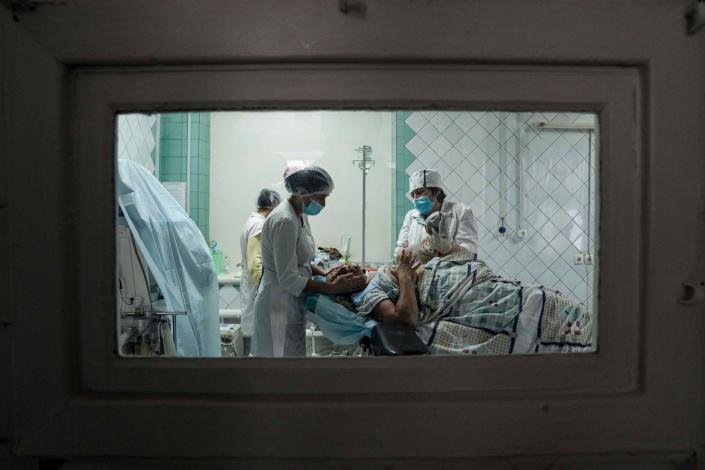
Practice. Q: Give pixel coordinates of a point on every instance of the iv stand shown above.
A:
(364, 165)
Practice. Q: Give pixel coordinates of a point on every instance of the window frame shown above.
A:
(613, 93)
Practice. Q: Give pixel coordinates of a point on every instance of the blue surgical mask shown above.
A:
(423, 205)
(312, 208)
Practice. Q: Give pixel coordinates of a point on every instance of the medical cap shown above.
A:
(302, 181)
(268, 199)
(424, 179)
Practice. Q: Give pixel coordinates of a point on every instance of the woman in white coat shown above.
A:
(287, 251)
(457, 222)
(251, 252)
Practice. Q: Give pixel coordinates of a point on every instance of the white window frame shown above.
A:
(258, 390)
(608, 92)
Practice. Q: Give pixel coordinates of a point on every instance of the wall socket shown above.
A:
(583, 258)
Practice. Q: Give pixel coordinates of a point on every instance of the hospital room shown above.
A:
(356, 233)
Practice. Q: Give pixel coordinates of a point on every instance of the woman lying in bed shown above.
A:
(458, 305)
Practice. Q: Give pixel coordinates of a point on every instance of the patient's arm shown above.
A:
(405, 310)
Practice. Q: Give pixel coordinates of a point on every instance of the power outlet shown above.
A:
(587, 258)
(579, 258)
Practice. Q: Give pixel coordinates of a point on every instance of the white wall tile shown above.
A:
(428, 158)
(468, 148)
(466, 145)
(415, 166)
(441, 145)
(453, 158)
(441, 121)
(443, 168)
(136, 140)
(477, 134)
(416, 146)
(489, 121)
(489, 146)
(416, 121)
(454, 183)
(453, 133)
(428, 133)
(465, 121)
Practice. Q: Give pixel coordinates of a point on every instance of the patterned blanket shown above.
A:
(465, 308)
(470, 310)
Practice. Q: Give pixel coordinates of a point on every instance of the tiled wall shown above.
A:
(199, 191)
(404, 158)
(229, 296)
(478, 154)
(177, 143)
(136, 138)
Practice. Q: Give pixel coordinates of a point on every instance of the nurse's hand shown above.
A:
(349, 283)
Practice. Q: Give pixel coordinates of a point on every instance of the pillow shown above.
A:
(338, 324)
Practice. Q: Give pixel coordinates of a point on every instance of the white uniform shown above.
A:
(458, 225)
(287, 251)
(248, 286)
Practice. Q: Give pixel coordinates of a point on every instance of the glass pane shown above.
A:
(493, 214)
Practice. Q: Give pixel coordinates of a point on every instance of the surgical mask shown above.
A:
(423, 205)
(312, 208)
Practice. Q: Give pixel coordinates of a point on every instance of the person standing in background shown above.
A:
(251, 252)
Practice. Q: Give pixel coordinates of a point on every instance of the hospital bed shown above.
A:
(342, 327)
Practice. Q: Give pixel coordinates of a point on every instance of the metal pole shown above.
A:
(362, 164)
(364, 193)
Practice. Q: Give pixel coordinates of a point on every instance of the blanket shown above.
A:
(493, 315)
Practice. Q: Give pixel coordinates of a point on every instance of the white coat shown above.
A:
(287, 251)
(458, 225)
(248, 285)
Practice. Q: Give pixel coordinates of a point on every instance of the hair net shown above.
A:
(302, 181)
(268, 199)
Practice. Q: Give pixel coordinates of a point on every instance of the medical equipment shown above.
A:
(345, 248)
(145, 327)
(231, 340)
(365, 164)
(177, 257)
(217, 254)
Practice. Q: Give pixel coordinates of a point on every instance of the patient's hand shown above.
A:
(343, 269)
(406, 265)
(349, 282)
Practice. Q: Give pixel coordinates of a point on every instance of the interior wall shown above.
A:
(135, 138)
(250, 150)
(480, 155)
(33, 141)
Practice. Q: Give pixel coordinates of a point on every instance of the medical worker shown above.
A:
(287, 251)
(457, 222)
(251, 251)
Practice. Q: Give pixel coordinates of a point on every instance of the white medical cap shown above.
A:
(428, 178)
(302, 181)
